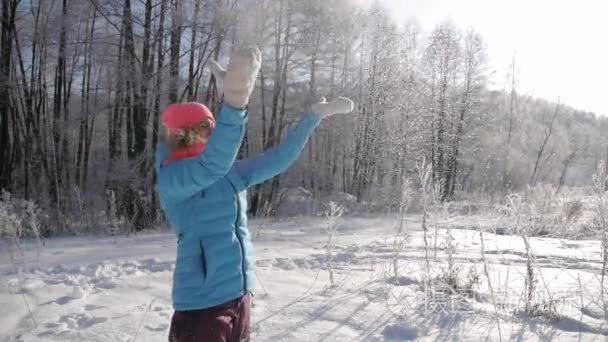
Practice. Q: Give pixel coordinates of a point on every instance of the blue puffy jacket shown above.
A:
(205, 200)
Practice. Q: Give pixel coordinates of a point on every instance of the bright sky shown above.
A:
(561, 46)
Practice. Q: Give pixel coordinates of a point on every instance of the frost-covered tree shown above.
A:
(83, 83)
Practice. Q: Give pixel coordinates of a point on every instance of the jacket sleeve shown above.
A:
(184, 178)
(279, 158)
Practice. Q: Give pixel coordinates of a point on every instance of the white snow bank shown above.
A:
(107, 289)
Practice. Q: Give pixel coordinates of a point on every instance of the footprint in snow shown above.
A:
(81, 321)
(78, 292)
(162, 311)
(52, 325)
(161, 327)
(63, 300)
(68, 323)
(106, 285)
(399, 332)
(92, 307)
(285, 264)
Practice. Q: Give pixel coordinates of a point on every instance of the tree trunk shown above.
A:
(58, 103)
(115, 116)
(158, 91)
(91, 126)
(159, 74)
(606, 168)
(507, 157)
(140, 98)
(9, 8)
(312, 97)
(176, 34)
(84, 101)
(562, 177)
(26, 102)
(465, 104)
(191, 73)
(541, 150)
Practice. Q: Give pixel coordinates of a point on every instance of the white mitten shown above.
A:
(238, 80)
(341, 105)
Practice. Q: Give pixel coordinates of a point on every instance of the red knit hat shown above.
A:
(179, 116)
(185, 115)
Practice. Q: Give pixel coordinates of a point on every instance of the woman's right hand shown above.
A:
(238, 80)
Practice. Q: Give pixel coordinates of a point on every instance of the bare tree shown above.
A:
(566, 164)
(83, 84)
(511, 124)
(194, 29)
(176, 34)
(7, 139)
(87, 116)
(547, 135)
(473, 63)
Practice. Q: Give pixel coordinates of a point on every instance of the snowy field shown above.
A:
(118, 289)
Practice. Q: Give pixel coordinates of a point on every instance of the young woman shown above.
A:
(202, 190)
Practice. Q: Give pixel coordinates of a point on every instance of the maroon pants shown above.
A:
(228, 322)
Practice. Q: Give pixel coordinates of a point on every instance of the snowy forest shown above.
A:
(449, 179)
(84, 83)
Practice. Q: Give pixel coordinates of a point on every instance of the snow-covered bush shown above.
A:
(543, 212)
(521, 215)
(332, 214)
(18, 218)
(300, 202)
(116, 223)
(10, 224)
(296, 202)
(347, 201)
(486, 272)
(600, 180)
(425, 177)
(401, 235)
(534, 304)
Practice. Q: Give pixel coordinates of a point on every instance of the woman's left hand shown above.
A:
(341, 105)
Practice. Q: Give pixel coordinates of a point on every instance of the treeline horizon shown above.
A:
(83, 84)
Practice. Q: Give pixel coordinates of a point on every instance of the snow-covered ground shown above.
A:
(118, 289)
